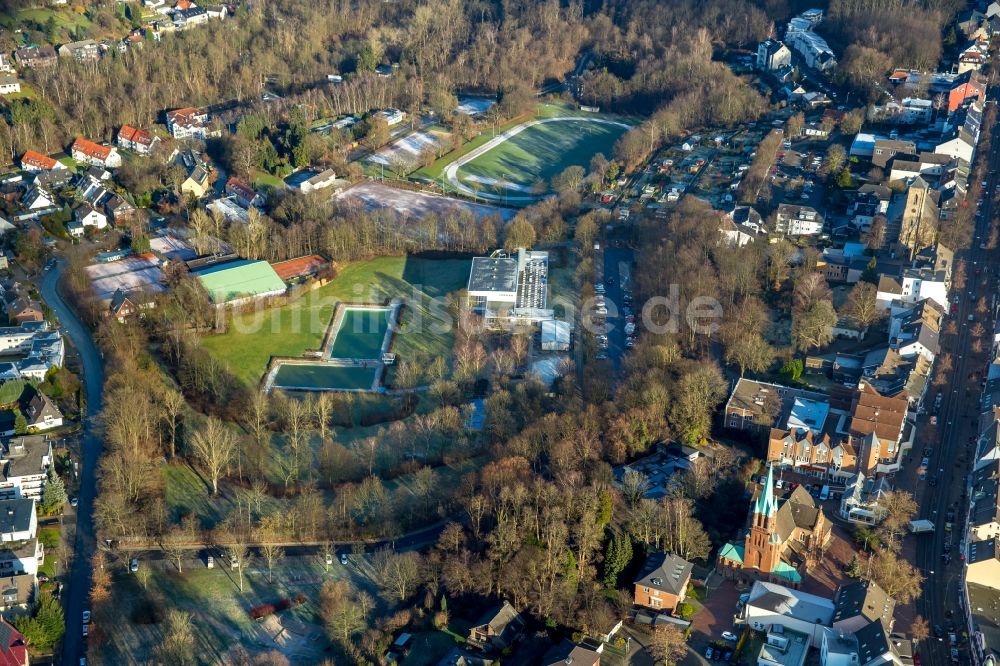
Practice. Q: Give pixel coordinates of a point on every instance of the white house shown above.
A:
(798, 220)
(25, 464)
(958, 144)
(773, 605)
(36, 198)
(18, 521)
(9, 85)
(772, 55)
(88, 216)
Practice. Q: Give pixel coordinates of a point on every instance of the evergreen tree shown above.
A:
(20, 423)
(54, 495)
(616, 558)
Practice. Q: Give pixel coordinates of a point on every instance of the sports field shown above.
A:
(290, 330)
(324, 376)
(360, 334)
(519, 164)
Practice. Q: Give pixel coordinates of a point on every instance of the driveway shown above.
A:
(78, 583)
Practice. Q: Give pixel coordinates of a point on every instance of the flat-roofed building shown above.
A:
(510, 289)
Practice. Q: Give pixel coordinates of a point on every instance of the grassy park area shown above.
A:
(290, 330)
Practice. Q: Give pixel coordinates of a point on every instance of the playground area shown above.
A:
(351, 358)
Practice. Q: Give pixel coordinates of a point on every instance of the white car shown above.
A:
(728, 636)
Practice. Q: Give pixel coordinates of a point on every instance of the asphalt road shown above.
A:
(959, 406)
(77, 585)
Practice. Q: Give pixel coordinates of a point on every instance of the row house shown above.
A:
(89, 152)
(137, 140)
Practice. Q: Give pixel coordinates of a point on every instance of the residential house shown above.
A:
(137, 140)
(197, 182)
(120, 210)
(794, 220)
(18, 521)
(33, 162)
(122, 307)
(877, 427)
(968, 85)
(16, 594)
(23, 309)
(814, 454)
(860, 503)
(219, 12)
(869, 202)
(86, 216)
(570, 653)
(974, 56)
(5, 64)
(772, 55)
(858, 604)
(809, 46)
(784, 537)
(25, 466)
(54, 180)
(984, 512)
(188, 123)
(35, 56)
(915, 330)
(771, 605)
(908, 111)
(886, 149)
(86, 50)
(497, 629)
(89, 152)
(9, 85)
(245, 195)
(877, 646)
(958, 144)
(42, 413)
(662, 583)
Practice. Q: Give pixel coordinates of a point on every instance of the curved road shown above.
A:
(77, 586)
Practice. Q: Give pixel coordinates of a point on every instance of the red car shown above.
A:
(954, 308)
(916, 659)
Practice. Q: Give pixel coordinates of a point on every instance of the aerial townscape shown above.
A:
(500, 332)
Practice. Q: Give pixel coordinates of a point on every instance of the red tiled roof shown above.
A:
(300, 267)
(236, 186)
(37, 160)
(91, 149)
(13, 647)
(134, 135)
(185, 116)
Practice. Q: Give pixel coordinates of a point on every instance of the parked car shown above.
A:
(728, 636)
(709, 651)
(86, 617)
(73, 501)
(343, 559)
(134, 565)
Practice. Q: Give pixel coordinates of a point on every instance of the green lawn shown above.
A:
(324, 376)
(289, 330)
(263, 179)
(540, 152)
(64, 18)
(361, 334)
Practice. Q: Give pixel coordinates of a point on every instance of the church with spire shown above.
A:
(784, 538)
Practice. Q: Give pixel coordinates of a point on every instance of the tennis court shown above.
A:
(361, 333)
(323, 376)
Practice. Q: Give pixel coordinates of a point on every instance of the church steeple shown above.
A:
(766, 505)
